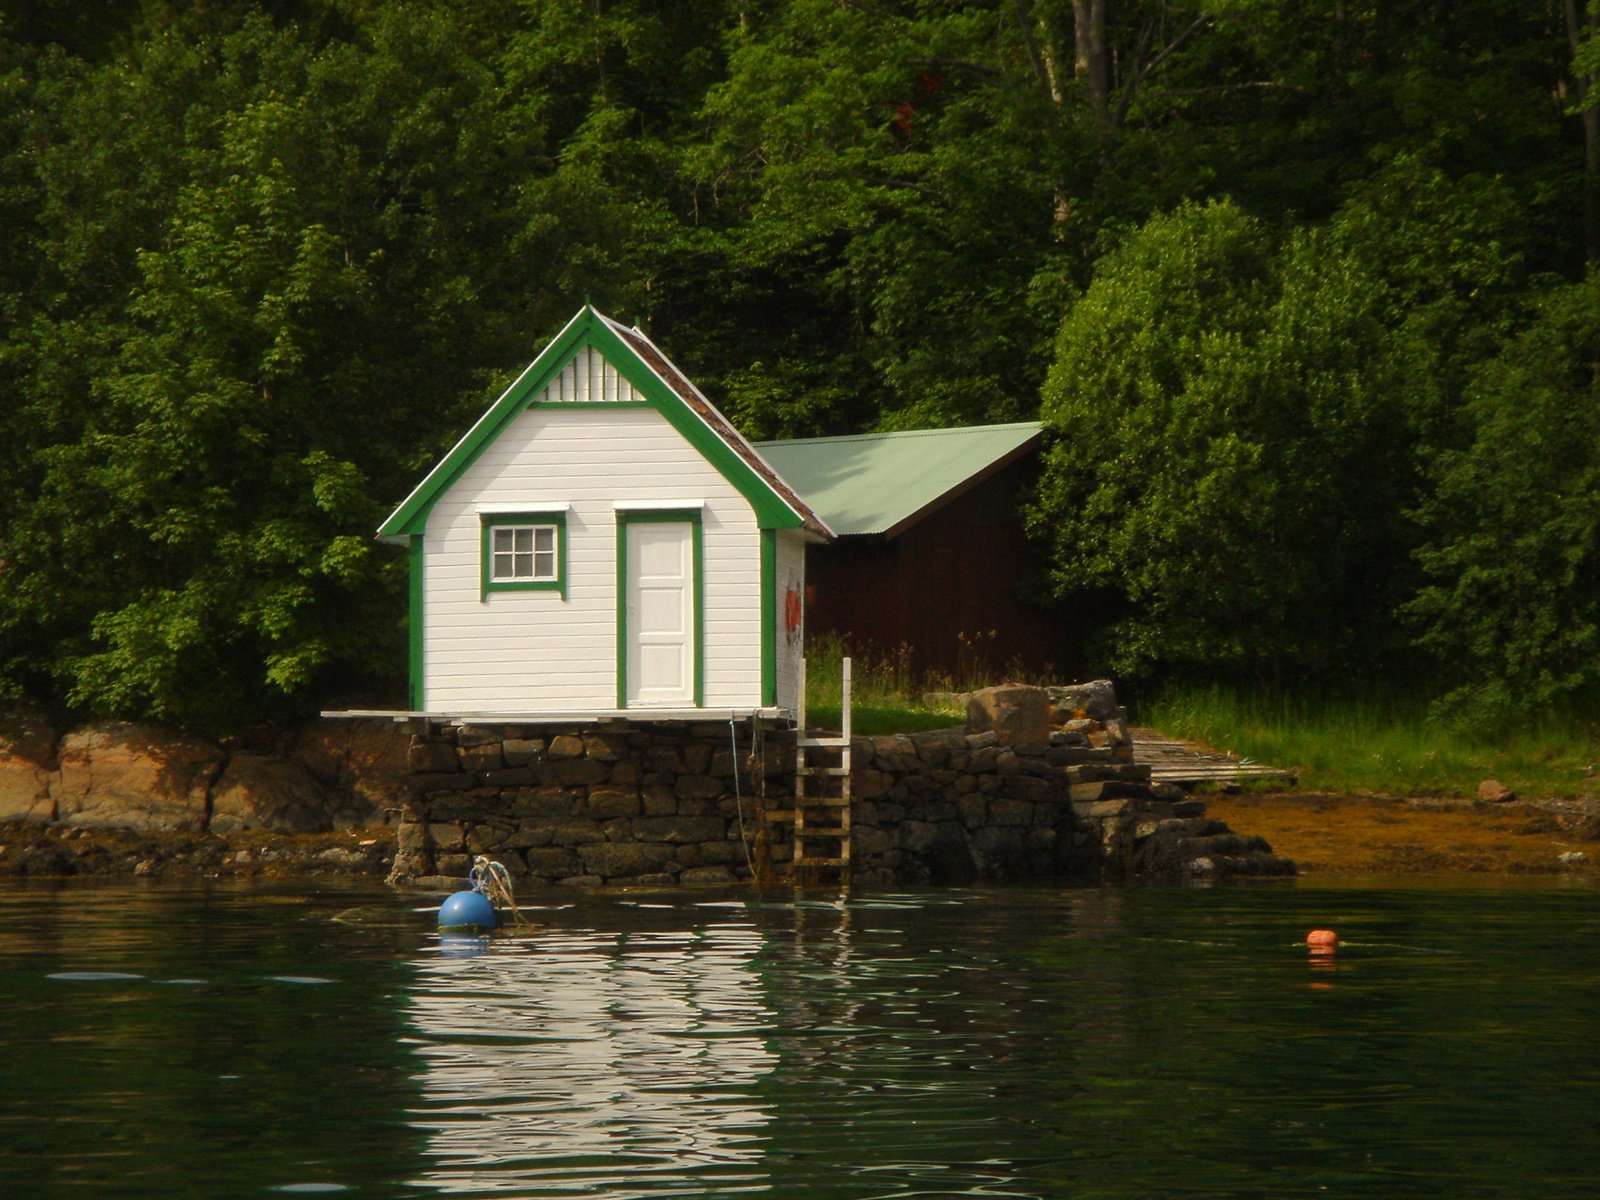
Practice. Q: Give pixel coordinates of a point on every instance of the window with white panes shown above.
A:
(524, 552)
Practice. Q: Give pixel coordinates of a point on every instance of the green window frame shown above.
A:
(505, 546)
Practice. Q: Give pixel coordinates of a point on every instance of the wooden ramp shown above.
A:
(1174, 761)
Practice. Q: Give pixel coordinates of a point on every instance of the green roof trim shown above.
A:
(882, 483)
(706, 430)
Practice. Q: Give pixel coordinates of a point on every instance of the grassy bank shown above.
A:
(887, 695)
(1378, 743)
(1382, 743)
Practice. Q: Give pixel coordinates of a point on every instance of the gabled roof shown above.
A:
(661, 385)
(886, 482)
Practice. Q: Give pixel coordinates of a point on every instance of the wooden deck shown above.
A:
(1173, 761)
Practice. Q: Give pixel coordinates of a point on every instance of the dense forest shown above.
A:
(1304, 290)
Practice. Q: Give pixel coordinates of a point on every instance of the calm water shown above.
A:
(1141, 1042)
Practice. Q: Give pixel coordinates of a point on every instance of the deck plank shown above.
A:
(1172, 760)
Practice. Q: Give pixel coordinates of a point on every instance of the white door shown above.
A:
(660, 616)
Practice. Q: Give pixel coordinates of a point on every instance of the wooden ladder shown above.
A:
(821, 813)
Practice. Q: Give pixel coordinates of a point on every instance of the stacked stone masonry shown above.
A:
(649, 804)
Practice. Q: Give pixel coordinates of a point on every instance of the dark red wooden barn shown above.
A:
(931, 554)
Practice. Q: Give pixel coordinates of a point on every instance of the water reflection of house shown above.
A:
(616, 1063)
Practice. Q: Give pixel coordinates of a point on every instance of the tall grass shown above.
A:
(888, 695)
(1376, 742)
(1383, 742)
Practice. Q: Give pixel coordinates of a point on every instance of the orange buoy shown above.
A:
(1322, 941)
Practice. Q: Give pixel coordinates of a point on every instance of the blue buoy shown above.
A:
(467, 910)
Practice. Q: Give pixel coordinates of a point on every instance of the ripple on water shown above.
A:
(622, 1063)
(1113, 1042)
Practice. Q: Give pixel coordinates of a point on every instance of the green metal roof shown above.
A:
(882, 482)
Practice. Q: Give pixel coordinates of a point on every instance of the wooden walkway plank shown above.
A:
(1174, 761)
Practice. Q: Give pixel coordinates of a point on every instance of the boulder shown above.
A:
(27, 746)
(366, 760)
(1017, 715)
(257, 791)
(431, 757)
(1492, 791)
(621, 859)
(132, 776)
(1096, 700)
(566, 745)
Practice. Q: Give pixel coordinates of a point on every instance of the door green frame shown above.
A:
(694, 518)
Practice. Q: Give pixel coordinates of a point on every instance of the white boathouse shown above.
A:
(603, 543)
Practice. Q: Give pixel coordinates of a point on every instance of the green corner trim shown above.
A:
(699, 614)
(487, 584)
(589, 328)
(691, 517)
(622, 610)
(769, 617)
(414, 626)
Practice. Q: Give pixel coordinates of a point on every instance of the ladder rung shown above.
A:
(822, 770)
(822, 741)
(788, 814)
(822, 802)
(819, 862)
(826, 831)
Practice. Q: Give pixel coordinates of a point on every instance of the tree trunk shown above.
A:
(1049, 63)
(1589, 114)
(1091, 66)
(1040, 42)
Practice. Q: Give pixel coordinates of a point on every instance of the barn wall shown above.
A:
(532, 651)
(950, 589)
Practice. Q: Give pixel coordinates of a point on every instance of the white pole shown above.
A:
(844, 719)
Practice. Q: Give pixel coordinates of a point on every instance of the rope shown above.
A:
(494, 881)
(757, 763)
(738, 800)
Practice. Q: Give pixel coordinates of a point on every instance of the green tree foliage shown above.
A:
(1512, 600)
(261, 262)
(877, 177)
(1239, 415)
(245, 307)
(1164, 483)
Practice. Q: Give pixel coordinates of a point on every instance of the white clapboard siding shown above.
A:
(791, 571)
(588, 379)
(533, 651)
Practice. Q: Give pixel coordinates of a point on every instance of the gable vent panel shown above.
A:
(589, 379)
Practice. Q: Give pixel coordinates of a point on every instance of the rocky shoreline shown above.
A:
(123, 798)
(1330, 834)
(30, 849)
(326, 799)
(1327, 835)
